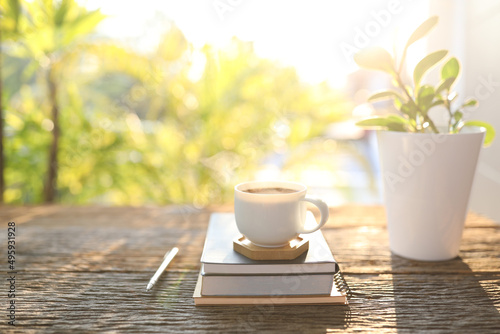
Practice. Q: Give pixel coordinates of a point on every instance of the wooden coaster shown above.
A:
(288, 252)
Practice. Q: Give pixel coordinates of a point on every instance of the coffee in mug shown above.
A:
(272, 213)
(271, 190)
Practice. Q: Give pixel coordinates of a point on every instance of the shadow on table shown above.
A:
(280, 318)
(427, 299)
(175, 292)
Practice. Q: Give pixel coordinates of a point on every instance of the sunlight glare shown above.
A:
(311, 36)
(197, 66)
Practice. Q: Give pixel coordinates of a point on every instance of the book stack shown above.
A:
(229, 278)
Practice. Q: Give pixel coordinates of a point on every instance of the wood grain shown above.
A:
(86, 268)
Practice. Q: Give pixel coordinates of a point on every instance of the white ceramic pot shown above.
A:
(427, 182)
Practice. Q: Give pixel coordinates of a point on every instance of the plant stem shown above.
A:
(448, 108)
(401, 61)
(426, 118)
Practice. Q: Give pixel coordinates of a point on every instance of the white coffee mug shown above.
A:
(272, 213)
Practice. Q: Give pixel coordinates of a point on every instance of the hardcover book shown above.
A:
(338, 295)
(254, 285)
(219, 257)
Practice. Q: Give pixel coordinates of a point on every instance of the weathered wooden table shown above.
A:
(86, 269)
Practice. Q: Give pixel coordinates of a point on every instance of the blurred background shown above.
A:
(174, 102)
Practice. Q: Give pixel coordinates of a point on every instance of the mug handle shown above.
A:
(323, 209)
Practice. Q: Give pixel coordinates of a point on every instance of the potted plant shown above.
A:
(427, 169)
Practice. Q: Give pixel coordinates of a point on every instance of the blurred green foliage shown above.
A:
(177, 125)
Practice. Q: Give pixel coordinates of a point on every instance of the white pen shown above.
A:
(166, 260)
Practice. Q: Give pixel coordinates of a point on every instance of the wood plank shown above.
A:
(79, 245)
(345, 216)
(118, 301)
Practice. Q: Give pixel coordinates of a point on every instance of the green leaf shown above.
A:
(81, 25)
(458, 116)
(425, 97)
(450, 69)
(426, 64)
(11, 14)
(398, 103)
(436, 103)
(396, 127)
(409, 108)
(384, 95)
(61, 13)
(375, 58)
(374, 121)
(392, 123)
(422, 30)
(490, 130)
(470, 103)
(398, 119)
(445, 85)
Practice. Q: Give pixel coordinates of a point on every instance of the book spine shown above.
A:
(267, 285)
(234, 269)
